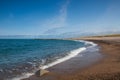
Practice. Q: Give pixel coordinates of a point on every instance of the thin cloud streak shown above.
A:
(59, 20)
(63, 11)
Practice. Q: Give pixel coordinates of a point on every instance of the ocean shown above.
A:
(22, 57)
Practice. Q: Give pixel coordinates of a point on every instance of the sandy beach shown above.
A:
(102, 65)
(59, 39)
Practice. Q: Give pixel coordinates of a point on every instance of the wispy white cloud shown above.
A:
(59, 20)
(63, 11)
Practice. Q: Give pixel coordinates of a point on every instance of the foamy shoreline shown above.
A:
(72, 54)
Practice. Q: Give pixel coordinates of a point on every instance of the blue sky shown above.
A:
(44, 17)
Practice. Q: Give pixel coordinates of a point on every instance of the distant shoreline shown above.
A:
(111, 36)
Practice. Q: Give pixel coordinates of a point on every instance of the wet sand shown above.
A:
(105, 65)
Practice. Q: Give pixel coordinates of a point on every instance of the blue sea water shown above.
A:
(19, 56)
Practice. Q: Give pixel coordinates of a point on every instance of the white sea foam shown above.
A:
(71, 54)
(23, 76)
(87, 43)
